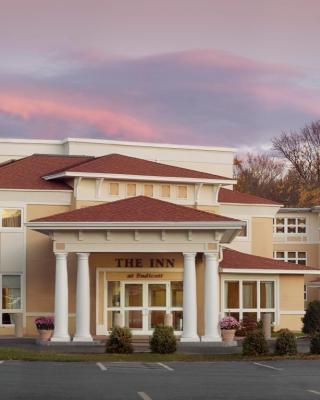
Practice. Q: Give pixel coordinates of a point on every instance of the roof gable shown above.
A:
(136, 209)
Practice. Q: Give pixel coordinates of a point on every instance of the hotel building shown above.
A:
(99, 232)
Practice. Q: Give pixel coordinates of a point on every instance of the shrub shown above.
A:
(286, 343)
(229, 323)
(247, 325)
(119, 341)
(315, 344)
(163, 340)
(254, 344)
(311, 320)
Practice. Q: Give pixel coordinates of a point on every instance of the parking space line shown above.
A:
(165, 366)
(314, 392)
(101, 366)
(267, 366)
(144, 396)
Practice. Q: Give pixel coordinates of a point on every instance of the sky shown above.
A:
(205, 72)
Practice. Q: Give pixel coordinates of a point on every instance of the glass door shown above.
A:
(141, 306)
(133, 306)
(157, 304)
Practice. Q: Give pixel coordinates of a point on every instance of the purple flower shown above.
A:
(229, 323)
(45, 323)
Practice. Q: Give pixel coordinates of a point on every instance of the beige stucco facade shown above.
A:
(31, 253)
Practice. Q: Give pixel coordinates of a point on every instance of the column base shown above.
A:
(60, 339)
(189, 339)
(82, 339)
(211, 338)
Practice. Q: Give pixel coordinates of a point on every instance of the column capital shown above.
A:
(83, 255)
(214, 255)
(191, 254)
(61, 255)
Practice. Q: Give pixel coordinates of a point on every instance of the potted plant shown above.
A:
(228, 326)
(45, 326)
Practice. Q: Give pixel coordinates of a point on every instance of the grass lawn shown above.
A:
(13, 353)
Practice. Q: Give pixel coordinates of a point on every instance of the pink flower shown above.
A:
(229, 323)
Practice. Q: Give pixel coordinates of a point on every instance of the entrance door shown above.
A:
(141, 306)
(133, 306)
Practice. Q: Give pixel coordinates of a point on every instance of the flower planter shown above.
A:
(228, 335)
(45, 334)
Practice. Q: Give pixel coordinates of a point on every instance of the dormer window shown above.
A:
(114, 189)
(182, 191)
(148, 190)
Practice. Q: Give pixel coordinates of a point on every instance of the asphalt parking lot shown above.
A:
(175, 380)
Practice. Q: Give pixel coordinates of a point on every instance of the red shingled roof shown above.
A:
(136, 209)
(234, 196)
(237, 260)
(125, 165)
(27, 172)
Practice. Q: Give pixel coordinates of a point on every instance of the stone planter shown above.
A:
(228, 335)
(45, 334)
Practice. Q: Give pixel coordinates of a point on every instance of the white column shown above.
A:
(211, 298)
(61, 333)
(83, 299)
(189, 299)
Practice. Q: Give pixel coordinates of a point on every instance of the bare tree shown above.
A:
(302, 150)
(259, 174)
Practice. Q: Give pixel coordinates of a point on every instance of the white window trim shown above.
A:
(286, 257)
(12, 229)
(110, 185)
(127, 191)
(258, 309)
(286, 225)
(177, 193)
(14, 310)
(247, 221)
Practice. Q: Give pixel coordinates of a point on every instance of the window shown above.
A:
(305, 292)
(131, 189)
(10, 218)
(165, 190)
(114, 189)
(244, 230)
(148, 190)
(11, 297)
(289, 225)
(295, 257)
(249, 298)
(182, 192)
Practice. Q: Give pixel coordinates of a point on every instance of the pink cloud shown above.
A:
(110, 122)
(304, 100)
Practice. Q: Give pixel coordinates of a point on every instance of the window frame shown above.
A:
(114, 184)
(258, 310)
(286, 257)
(135, 189)
(246, 237)
(11, 229)
(12, 310)
(178, 188)
(286, 226)
(148, 185)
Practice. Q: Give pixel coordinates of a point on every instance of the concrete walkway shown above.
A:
(98, 346)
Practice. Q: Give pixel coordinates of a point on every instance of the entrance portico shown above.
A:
(186, 239)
